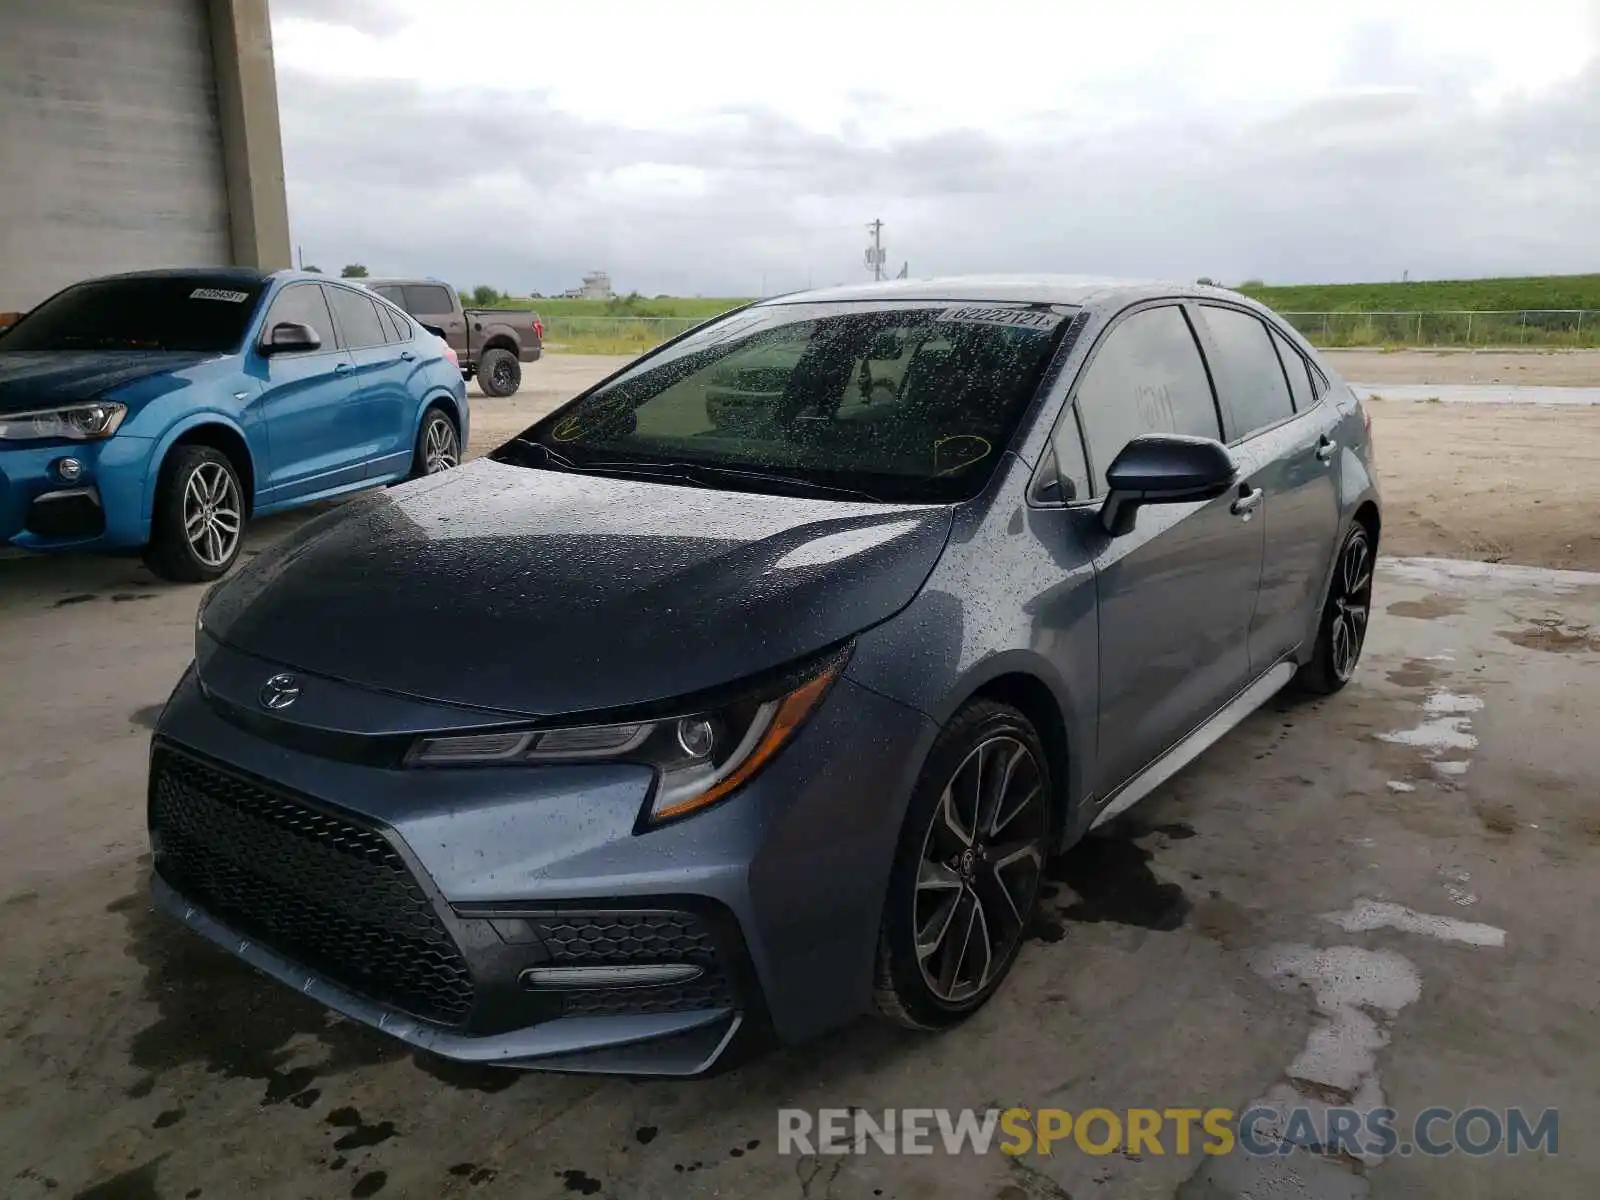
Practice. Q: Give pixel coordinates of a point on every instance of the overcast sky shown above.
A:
(726, 147)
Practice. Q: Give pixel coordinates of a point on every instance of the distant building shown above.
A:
(596, 286)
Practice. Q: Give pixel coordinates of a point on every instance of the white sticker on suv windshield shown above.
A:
(219, 294)
(1024, 318)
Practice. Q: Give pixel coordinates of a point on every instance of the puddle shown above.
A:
(1413, 673)
(1553, 639)
(1110, 874)
(1426, 609)
(136, 1183)
(213, 1010)
(361, 1134)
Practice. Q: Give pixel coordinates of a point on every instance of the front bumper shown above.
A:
(103, 508)
(776, 893)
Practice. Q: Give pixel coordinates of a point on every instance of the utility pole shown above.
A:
(875, 255)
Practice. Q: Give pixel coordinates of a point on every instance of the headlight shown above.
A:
(76, 422)
(700, 757)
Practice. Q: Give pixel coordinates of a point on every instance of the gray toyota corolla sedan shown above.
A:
(750, 690)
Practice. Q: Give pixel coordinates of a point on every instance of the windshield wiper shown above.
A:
(702, 474)
(708, 475)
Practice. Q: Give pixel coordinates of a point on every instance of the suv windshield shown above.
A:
(195, 313)
(908, 401)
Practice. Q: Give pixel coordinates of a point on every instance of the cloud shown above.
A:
(1396, 167)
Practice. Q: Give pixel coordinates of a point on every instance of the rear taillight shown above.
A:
(450, 353)
(538, 329)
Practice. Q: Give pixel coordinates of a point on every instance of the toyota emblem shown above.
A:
(280, 691)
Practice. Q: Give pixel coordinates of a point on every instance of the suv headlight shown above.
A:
(73, 422)
(700, 757)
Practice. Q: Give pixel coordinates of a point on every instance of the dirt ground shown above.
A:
(1433, 824)
(1554, 368)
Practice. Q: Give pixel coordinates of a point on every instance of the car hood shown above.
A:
(540, 593)
(40, 378)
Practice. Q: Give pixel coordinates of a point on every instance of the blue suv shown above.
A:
(162, 410)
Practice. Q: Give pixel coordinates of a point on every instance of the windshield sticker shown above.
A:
(1019, 318)
(219, 294)
(959, 450)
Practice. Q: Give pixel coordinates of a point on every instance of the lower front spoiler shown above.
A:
(658, 1044)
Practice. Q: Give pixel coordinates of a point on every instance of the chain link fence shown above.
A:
(1555, 327)
(1563, 327)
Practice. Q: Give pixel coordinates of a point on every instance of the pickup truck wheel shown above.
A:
(198, 525)
(499, 373)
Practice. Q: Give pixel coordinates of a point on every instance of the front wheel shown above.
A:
(198, 525)
(967, 874)
(1342, 632)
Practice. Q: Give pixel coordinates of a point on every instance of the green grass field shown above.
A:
(1443, 295)
(615, 327)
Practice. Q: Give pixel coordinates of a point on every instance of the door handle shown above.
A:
(408, 355)
(343, 369)
(1247, 501)
(1326, 448)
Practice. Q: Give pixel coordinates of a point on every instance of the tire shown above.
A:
(1342, 629)
(438, 445)
(938, 875)
(499, 373)
(198, 492)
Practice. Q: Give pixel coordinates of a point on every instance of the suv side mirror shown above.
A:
(290, 337)
(1163, 468)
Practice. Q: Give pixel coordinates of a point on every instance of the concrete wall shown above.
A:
(135, 133)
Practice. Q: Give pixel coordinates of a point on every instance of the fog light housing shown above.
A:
(68, 470)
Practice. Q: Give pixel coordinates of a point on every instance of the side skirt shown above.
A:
(1196, 743)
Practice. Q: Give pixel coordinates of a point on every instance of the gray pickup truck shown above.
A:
(491, 343)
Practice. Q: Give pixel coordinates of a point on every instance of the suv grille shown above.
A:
(317, 888)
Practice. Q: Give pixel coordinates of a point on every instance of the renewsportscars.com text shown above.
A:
(1377, 1132)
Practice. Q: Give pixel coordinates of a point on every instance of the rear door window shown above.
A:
(1146, 377)
(1248, 371)
(302, 304)
(427, 299)
(391, 324)
(1298, 371)
(358, 318)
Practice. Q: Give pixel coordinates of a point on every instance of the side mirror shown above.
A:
(1163, 469)
(289, 337)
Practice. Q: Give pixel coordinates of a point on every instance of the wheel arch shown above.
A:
(440, 399)
(1370, 518)
(1030, 686)
(205, 429)
(500, 339)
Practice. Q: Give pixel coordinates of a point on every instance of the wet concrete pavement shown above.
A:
(1177, 960)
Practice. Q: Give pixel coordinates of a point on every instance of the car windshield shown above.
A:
(193, 313)
(908, 401)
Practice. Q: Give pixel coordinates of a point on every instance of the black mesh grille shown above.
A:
(599, 938)
(318, 889)
(590, 939)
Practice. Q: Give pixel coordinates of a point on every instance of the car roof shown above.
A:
(230, 274)
(1077, 290)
